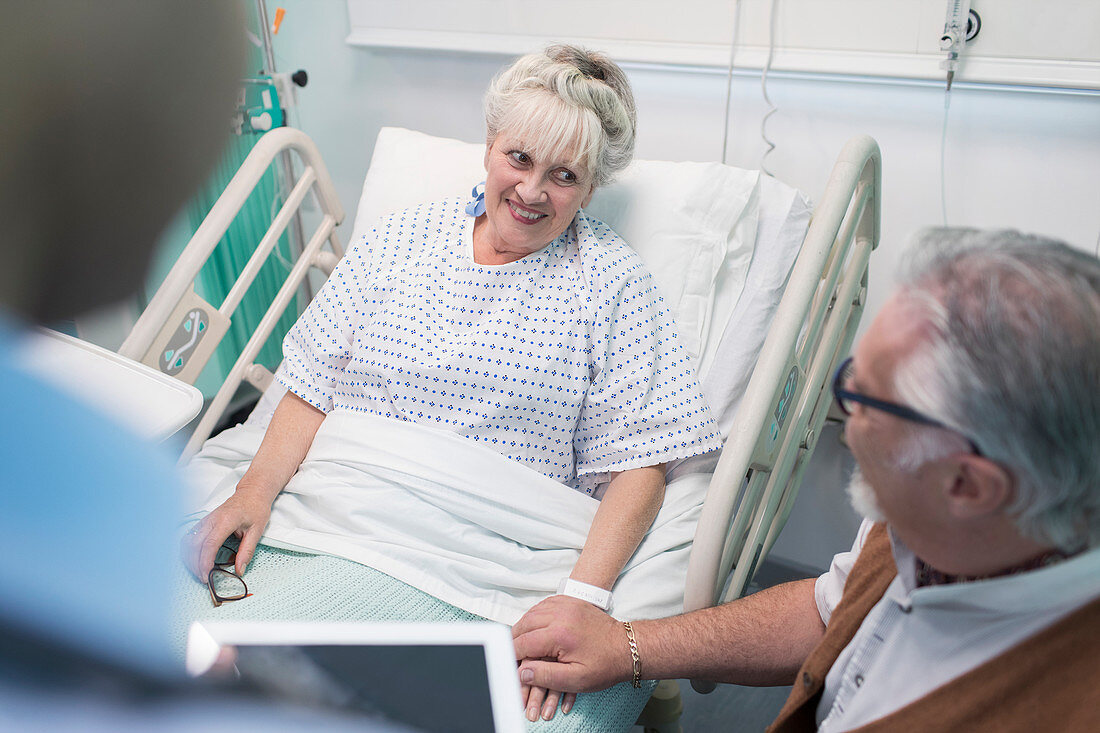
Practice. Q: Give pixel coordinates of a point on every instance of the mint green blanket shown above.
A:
(291, 586)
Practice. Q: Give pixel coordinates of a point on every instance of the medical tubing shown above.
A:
(729, 79)
(943, 156)
(764, 88)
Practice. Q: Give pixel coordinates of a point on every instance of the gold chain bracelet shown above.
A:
(635, 658)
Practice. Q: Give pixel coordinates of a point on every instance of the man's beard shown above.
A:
(862, 498)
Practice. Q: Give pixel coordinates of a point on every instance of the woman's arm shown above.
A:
(627, 510)
(246, 513)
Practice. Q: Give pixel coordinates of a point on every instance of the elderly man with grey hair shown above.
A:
(971, 597)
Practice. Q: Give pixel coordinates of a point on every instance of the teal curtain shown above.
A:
(232, 253)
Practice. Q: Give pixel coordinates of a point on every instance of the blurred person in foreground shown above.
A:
(112, 114)
(971, 597)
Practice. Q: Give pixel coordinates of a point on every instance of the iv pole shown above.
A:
(286, 167)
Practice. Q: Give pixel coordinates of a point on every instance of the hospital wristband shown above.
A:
(635, 658)
(598, 597)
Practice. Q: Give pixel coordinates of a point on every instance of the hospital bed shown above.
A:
(767, 299)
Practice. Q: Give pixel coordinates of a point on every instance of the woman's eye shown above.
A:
(520, 157)
(566, 176)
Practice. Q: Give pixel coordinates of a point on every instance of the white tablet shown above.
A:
(429, 677)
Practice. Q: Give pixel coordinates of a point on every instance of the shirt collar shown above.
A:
(1069, 583)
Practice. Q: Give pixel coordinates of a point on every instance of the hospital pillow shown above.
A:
(693, 224)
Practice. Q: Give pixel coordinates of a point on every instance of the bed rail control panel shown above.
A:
(769, 443)
(188, 339)
(783, 404)
(182, 344)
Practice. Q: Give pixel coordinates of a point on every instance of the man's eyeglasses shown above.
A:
(845, 399)
(224, 584)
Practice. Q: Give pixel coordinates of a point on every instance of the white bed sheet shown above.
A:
(454, 519)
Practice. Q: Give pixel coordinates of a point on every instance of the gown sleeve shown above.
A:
(644, 405)
(318, 346)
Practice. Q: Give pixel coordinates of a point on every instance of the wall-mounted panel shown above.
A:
(1051, 43)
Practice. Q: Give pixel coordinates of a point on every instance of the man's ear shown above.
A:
(980, 487)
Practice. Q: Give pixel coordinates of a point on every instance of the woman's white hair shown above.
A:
(1013, 363)
(566, 103)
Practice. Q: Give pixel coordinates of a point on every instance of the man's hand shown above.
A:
(590, 647)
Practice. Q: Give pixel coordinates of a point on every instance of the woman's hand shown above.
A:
(540, 701)
(245, 514)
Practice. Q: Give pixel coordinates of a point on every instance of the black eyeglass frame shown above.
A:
(905, 413)
(221, 567)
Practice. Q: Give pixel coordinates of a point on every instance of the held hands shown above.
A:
(244, 514)
(567, 644)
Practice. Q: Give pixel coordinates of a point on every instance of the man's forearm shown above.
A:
(758, 640)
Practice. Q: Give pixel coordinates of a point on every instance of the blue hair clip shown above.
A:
(476, 207)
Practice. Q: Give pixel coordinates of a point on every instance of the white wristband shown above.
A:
(595, 595)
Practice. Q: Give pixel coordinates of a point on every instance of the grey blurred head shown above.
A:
(112, 114)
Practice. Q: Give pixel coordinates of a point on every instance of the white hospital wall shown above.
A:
(1021, 160)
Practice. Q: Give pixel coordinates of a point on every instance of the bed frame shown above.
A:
(789, 395)
(176, 301)
(786, 403)
(778, 421)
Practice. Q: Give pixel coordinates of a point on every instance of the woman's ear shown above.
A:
(981, 487)
(488, 149)
(591, 190)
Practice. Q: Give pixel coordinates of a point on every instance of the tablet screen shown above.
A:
(424, 677)
(427, 687)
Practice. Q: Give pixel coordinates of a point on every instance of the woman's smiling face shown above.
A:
(529, 201)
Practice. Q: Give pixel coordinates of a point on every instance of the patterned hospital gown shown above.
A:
(565, 360)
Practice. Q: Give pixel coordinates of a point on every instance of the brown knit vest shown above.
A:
(1048, 682)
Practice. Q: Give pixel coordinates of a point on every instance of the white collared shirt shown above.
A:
(916, 639)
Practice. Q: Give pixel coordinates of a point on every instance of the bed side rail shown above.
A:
(178, 331)
(788, 396)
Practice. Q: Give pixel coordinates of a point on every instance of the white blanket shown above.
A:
(452, 518)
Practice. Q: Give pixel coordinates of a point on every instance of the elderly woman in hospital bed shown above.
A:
(498, 363)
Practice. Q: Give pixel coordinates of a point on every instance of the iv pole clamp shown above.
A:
(295, 231)
(961, 25)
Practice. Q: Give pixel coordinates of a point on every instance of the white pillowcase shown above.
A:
(693, 224)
